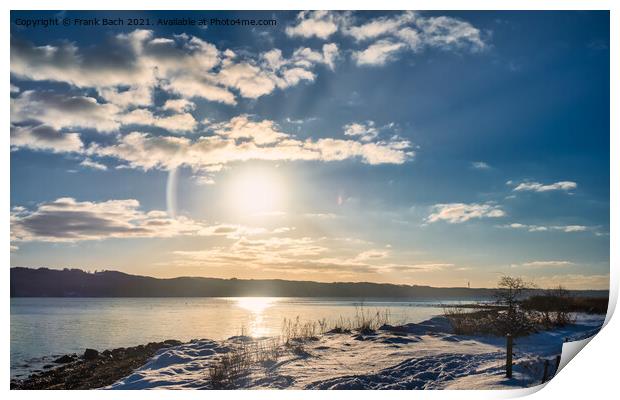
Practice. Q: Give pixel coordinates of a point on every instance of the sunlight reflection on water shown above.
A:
(257, 306)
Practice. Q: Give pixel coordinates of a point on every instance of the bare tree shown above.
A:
(509, 291)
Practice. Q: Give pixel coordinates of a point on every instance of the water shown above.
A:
(42, 328)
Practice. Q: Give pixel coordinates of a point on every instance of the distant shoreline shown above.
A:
(71, 283)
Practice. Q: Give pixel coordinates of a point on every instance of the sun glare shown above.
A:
(256, 191)
(255, 305)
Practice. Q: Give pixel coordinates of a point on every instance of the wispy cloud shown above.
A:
(545, 228)
(88, 163)
(543, 264)
(480, 165)
(540, 187)
(411, 32)
(456, 213)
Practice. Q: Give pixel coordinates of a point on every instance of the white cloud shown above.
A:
(380, 26)
(88, 163)
(63, 111)
(320, 24)
(544, 228)
(242, 139)
(68, 220)
(133, 96)
(60, 110)
(480, 165)
(412, 32)
(241, 127)
(366, 131)
(455, 213)
(182, 64)
(450, 33)
(378, 53)
(45, 137)
(550, 263)
(179, 105)
(172, 123)
(539, 187)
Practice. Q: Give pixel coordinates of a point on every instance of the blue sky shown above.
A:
(431, 148)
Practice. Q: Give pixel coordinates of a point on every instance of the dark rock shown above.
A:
(48, 366)
(90, 354)
(65, 359)
(83, 373)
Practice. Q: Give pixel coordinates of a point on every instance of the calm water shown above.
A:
(43, 327)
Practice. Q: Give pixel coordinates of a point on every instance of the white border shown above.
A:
(593, 374)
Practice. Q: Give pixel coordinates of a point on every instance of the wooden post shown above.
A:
(509, 356)
(545, 372)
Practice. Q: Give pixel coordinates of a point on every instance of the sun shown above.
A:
(256, 191)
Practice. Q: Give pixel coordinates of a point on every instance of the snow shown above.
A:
(413, 356)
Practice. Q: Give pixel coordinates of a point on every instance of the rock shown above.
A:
(48, 366)
(172, 342)
(90, 354)
(64, 359)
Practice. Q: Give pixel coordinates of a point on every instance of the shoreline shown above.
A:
(399, 357)
(92, 370)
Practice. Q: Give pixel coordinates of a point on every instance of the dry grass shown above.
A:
(295, 334)
(241, 358)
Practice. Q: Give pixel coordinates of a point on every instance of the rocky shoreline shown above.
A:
(93, 369)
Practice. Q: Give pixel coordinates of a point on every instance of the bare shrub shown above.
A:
(241, 358)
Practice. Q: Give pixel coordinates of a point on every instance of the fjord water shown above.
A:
(43, 327)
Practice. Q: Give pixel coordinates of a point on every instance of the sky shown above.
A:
(431, 148)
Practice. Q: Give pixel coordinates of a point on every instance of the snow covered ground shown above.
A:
(413, 356)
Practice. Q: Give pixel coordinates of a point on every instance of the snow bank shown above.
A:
(413, 356)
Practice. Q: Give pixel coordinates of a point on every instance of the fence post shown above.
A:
(509, 356)
(545, 371)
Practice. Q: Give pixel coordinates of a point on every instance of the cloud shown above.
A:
(320, 24)
(450, 33)
(127, 97)
(298, 255)
(539, 187)
(61, 110)
(68, 220)
(88, 163)
(480, 165)
(64, 111)
(573, 281)
(45, 137)
(241, 127)
(543, 228)
(456, 213)
(366, 131)
(179, 105)
(379, 53)
(551, 263)
(241, 139)
(173, 123)
(126, 68)
(411, 32)
(380, 26)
